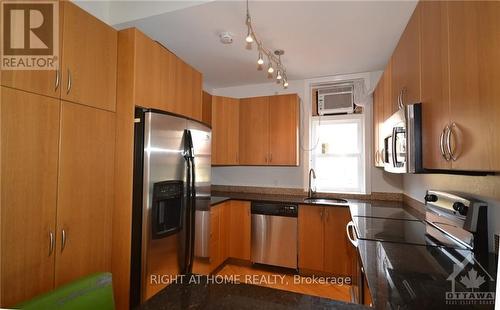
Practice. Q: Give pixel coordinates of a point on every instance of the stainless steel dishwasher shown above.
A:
(274, 234)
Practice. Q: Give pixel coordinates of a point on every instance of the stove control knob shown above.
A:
(460, 207)
(431, 198)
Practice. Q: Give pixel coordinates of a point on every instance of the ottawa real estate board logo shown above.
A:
(475, 282)
(30, 35)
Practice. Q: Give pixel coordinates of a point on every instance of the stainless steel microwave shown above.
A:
(402, 133)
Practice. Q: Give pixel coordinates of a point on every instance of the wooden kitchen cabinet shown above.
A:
(89, 59)
(85, 192)
(239, 230)
(435, 81)
(269, 131)
(390, 106)
(29, 147)
(168, 77)
(378, 122)
(254, 131)
(311, 238)
(323, 243)
(405, 63)
(340, 255)
(206, 113)
(148, 69)
(284, 130)
(225, 130)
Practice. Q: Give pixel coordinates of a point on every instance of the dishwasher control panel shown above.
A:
(275, 209)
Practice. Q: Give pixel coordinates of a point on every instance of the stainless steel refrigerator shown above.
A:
(172, 168)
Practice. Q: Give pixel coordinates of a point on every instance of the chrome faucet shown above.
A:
(312, 174)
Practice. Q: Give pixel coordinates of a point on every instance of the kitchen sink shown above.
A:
(325, 201)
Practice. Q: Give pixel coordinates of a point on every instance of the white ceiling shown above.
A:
(320, 38)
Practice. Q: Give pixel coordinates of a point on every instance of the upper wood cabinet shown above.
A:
(254, 131)
(435, 81)
(225, 130)
(206, 110)
(378, 121)
(269, 130)
(460, 43)
(284, 130)
(405, 64)
(85, 192)
(89, 58)
(323, 243)
(161, 80)
(29, 146)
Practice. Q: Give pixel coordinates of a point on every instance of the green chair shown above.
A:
(91, 292)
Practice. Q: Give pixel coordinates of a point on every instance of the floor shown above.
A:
(285, 281)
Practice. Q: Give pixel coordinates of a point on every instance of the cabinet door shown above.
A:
(406, 63)
(89, 57)
(43, 82)
(254, 131)
(311, 238)
(474, 29)
(435, 81)
(168, 78)
(390, 105)
(196, 97)
(85, 191)
(219, 131)
(206, 114)
(339, 253)
(29, 145)
(284, 130)
(239, 230)
(147, 72)
(378, 114)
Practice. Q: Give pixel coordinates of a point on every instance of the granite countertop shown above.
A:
(236, 296)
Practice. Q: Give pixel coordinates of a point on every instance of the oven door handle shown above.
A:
(354, 240)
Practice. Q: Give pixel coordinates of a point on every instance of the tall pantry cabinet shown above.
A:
(57, 153)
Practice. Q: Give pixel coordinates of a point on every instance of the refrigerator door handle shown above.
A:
(190, 202)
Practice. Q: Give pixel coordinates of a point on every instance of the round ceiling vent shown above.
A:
(226, 37)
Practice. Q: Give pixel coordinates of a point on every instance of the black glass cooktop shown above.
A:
(401, 231)
(364, 209)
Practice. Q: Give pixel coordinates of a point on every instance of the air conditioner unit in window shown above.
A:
(337, 99)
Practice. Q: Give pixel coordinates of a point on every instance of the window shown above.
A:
(337, 154)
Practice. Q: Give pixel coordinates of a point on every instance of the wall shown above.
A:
(485, 188)
(294, 177)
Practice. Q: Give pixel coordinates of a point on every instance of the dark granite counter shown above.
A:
(403, 276)
(236, 296)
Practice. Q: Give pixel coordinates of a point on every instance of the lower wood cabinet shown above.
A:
(239, 230)
(29, 160)
(323, 243)
(56, 193)
(229, 235)
(85, 192)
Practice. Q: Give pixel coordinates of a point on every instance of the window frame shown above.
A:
(362, 161)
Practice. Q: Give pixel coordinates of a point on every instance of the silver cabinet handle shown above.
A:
(56, 86)
(448, 142)
(51, 243)
(63, 240)
(442, 143)
(353, 240)
(69, 82)
(382, 155)
(321, 214)
(376, 157)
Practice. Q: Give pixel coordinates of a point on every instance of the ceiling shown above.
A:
(320, 38)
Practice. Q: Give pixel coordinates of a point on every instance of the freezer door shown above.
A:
(164, 165)
(202, 136)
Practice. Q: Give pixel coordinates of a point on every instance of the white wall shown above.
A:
(294, 177)
(485, 188)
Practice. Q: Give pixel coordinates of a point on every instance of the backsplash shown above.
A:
(486, 188)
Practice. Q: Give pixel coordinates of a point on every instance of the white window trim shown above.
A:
(365, 175)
